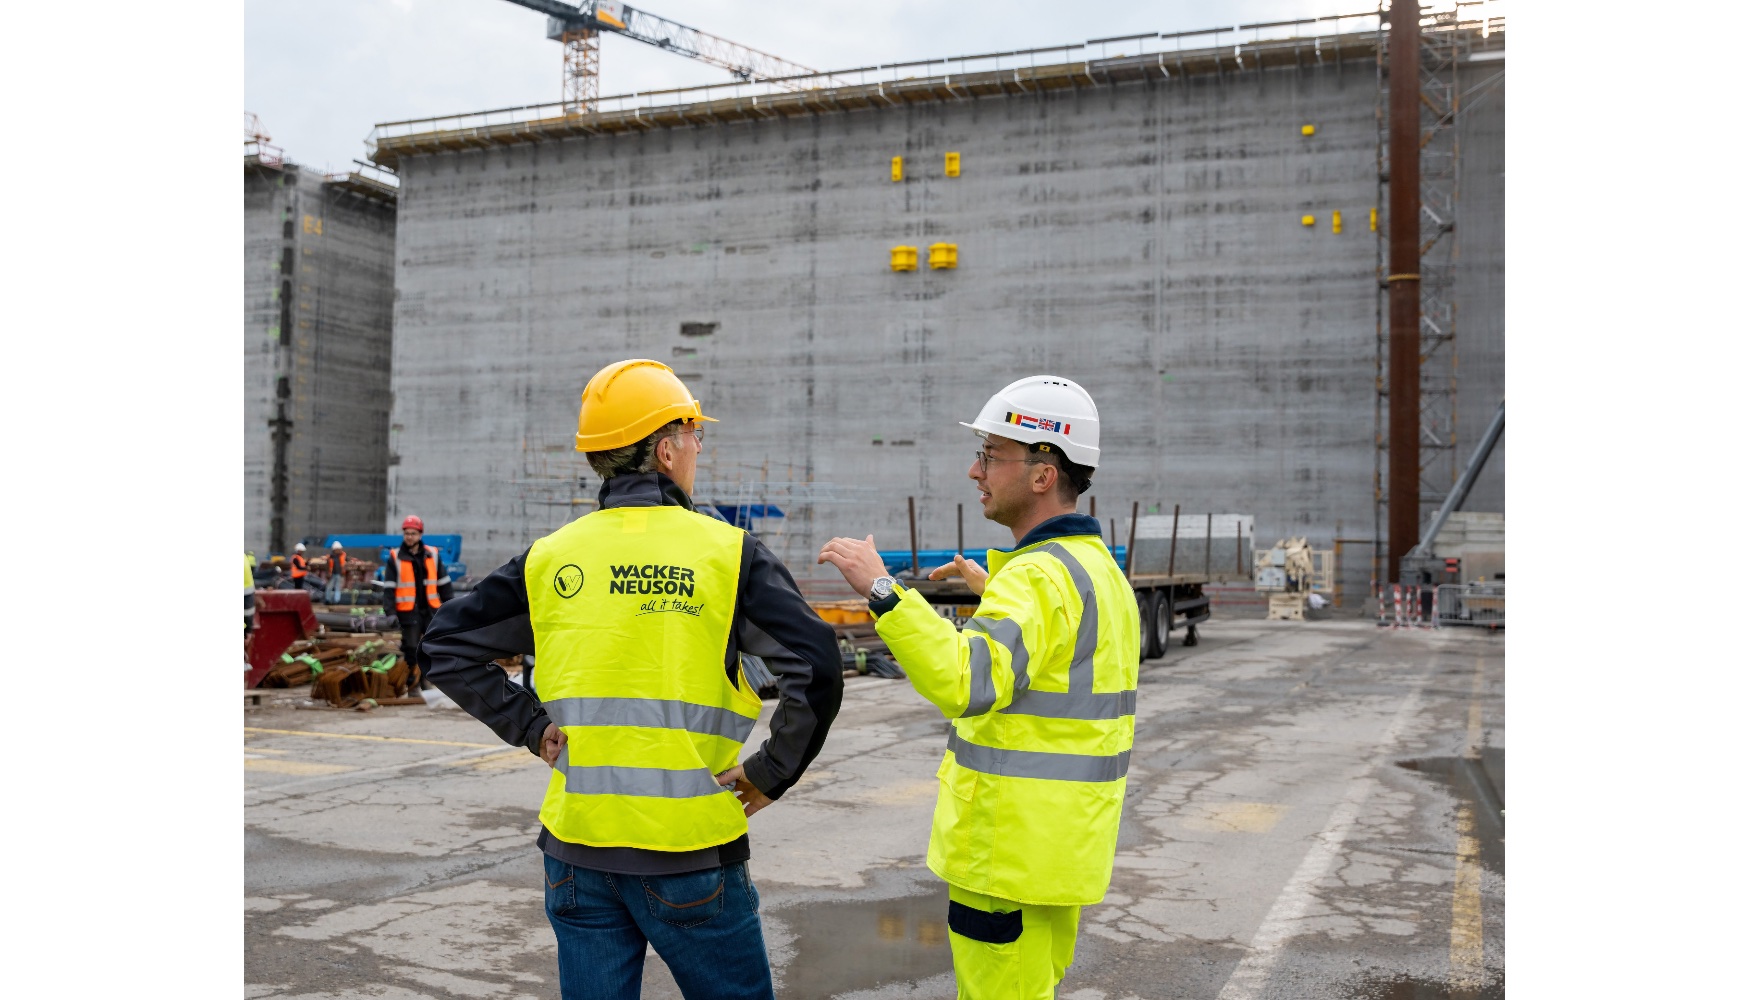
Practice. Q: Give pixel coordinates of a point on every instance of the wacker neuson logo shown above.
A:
(569, 580)
(651, 578)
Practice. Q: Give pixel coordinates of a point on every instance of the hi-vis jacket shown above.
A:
(638, 615)
(414, 578)
(1041, 688)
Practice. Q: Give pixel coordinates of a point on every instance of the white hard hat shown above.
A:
(336, 544)
(1049, 409)
(299, 547)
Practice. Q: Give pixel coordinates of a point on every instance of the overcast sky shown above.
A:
(320, 73)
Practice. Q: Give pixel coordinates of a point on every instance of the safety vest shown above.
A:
(300, 566)
(631, 609)
(1031, 793)
(404, 581)
(337, 563)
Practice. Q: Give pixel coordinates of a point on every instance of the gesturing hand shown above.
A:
(552, 740)
(752, 799)
(856, 559)
(966, 569)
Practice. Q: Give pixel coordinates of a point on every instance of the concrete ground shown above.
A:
(1313, 812)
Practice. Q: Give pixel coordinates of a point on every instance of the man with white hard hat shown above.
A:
(1041, 688)
(300, 567)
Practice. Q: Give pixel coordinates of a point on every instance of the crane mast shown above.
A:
(580, 29)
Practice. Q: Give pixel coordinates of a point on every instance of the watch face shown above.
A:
(883, 587)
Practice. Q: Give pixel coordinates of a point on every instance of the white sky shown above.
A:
(320, 73)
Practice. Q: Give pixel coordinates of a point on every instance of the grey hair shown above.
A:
(637, 457)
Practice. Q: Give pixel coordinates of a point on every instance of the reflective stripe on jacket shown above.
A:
(1041, 688)
(404, 589)
(631, 609)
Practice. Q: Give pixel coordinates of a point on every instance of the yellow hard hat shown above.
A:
(628, 400)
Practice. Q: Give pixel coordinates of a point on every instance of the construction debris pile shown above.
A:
(346, 671)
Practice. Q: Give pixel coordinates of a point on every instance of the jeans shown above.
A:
(704, 924)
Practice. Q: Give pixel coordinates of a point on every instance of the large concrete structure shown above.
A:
(1133, 223)
(317, 298)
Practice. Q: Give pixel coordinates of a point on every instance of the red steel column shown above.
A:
(1404, 284)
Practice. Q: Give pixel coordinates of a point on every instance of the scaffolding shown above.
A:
(1448, 39)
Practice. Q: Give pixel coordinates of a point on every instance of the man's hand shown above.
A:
(752, 799)
(551, 742)
(967, 570)
(856, 560)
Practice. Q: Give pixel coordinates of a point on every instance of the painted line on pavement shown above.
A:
(1467, 907)
(364, 736)
(1297, 897)
(370, 773)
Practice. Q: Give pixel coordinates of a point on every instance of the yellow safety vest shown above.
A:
(1041, 686)
(631, 609)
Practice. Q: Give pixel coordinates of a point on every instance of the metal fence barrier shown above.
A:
(1479, 604)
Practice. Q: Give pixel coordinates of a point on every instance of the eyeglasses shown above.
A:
(984, 458)
(697, 432)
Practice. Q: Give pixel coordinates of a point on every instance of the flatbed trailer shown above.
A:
(1165, 604)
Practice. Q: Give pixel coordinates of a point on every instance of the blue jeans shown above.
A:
(704, 924)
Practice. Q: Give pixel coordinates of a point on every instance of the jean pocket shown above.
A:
(685, 900)
(561, 881)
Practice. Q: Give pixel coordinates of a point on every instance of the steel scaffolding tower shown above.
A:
(1445, 41)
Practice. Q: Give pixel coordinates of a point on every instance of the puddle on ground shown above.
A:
(860, 945)
(1405, 988)
(1478, 783)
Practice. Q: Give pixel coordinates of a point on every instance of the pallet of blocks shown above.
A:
(1287, 607)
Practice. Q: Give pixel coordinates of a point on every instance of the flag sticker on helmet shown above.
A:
(1037, 423)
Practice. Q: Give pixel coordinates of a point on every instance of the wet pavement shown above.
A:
(1314, 810)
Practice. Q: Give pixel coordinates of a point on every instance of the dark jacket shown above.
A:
(772, 621)
(392, 573)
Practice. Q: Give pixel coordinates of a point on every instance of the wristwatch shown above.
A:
(882, 588)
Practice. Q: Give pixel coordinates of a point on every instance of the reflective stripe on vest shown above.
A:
(631, 609)
(644, 782)
(404, 587)
(1080, 701)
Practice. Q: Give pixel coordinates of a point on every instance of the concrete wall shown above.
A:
(318, 296)
(1144, 240)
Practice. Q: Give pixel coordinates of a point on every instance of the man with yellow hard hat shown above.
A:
(637, 615)
(1041, 688)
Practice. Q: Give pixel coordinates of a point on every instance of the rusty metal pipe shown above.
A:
(1173, 547)
(911, 511)
(1130, 550)
(1404, 285)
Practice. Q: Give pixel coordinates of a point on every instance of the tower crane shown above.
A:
(580, 29)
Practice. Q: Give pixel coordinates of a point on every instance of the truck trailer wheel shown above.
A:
(1163, 620)
(1145, 615)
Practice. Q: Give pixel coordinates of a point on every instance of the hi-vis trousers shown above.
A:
(1004, 950)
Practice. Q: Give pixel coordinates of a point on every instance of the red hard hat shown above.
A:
(413, 522)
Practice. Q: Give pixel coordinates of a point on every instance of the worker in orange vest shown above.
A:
(331, 591)
(300, 567)
(415, 583)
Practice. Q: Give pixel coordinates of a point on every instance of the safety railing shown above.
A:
(1237, 38)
